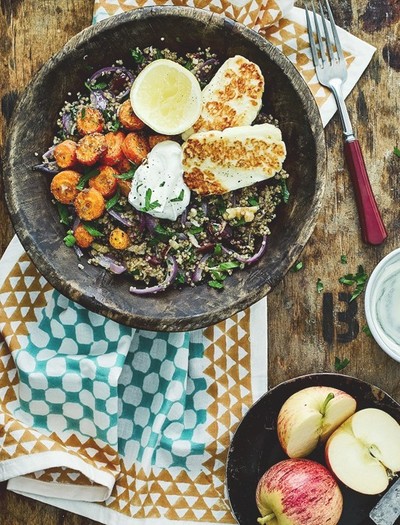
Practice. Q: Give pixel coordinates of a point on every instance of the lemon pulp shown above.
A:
(167, 97)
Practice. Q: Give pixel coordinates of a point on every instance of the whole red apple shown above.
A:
(298, 492)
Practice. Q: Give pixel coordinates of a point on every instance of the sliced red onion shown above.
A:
(114, 69)
(172, 273)
(251, 259)
(198, 272)
(206, 71)
(98, 99)
(150, 222)
(110, 264)
(67, 122)
(50, 168)
(78, 251)
(49, 153)
(119, 218)
(142, 224)
(76, 223)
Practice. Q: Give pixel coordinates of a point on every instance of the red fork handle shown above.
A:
(373, 230)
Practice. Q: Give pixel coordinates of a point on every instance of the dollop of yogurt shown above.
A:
(158, 187)
(388, 302)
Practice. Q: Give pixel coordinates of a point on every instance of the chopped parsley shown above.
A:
(90, 229)
(253, 201)
(128, 175)
(63, 213)
(194, 230)
(341, 364)
(366, 329)
(230, 265)
(113, 201)
(343, 259)
(221, 205)
(396, 151)
(239, 222)
(215, 284)
(137, 55)
(69, 239)
(180, 196)
(163, 232)
(320, 285)
(218, 249)
(98, 85)
(359, 280)
(85, 177)
(297, 267)
(284, 191)
(180, 278)
(220, 272)
(148, 205)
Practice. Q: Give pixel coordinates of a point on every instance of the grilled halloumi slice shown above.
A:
(216, 162)
(232, 98)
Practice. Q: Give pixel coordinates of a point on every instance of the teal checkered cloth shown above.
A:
(117, 424)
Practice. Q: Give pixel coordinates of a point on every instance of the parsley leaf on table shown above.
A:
(359, 280)
(366, 330)
(341, 364)
(297, 267)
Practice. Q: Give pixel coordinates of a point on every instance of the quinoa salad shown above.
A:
(99, 145)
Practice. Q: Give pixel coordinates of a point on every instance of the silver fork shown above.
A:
(330, 65)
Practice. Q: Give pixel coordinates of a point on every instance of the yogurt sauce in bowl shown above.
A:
(382, 304)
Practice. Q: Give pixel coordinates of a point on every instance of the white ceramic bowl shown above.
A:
(382, 279)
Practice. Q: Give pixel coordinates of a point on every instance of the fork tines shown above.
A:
(324, 38)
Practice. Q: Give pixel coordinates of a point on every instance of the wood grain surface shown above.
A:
(307, 329)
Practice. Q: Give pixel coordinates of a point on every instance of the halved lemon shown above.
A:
(167, 97)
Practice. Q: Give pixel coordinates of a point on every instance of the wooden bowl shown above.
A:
(35, 219)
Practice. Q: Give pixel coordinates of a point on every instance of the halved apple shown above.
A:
(309, 417)
(364, 452)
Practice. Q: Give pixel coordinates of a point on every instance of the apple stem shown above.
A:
(266, 519)
(329, 397)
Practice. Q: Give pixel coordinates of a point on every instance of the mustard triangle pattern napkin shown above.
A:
(120, 425)
(279, 22)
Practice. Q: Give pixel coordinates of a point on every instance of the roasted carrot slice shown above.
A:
(65, 154)
(119, 239)
(89, 120)
(83, 237)
(135, 147)
(63, 186)
(105, 182)
(124, 165)
(155, 139)
(91, 149)
(89, 204)
(114, 154)
(128, 118)
(124, 186)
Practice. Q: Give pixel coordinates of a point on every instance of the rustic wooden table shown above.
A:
(308, 330)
